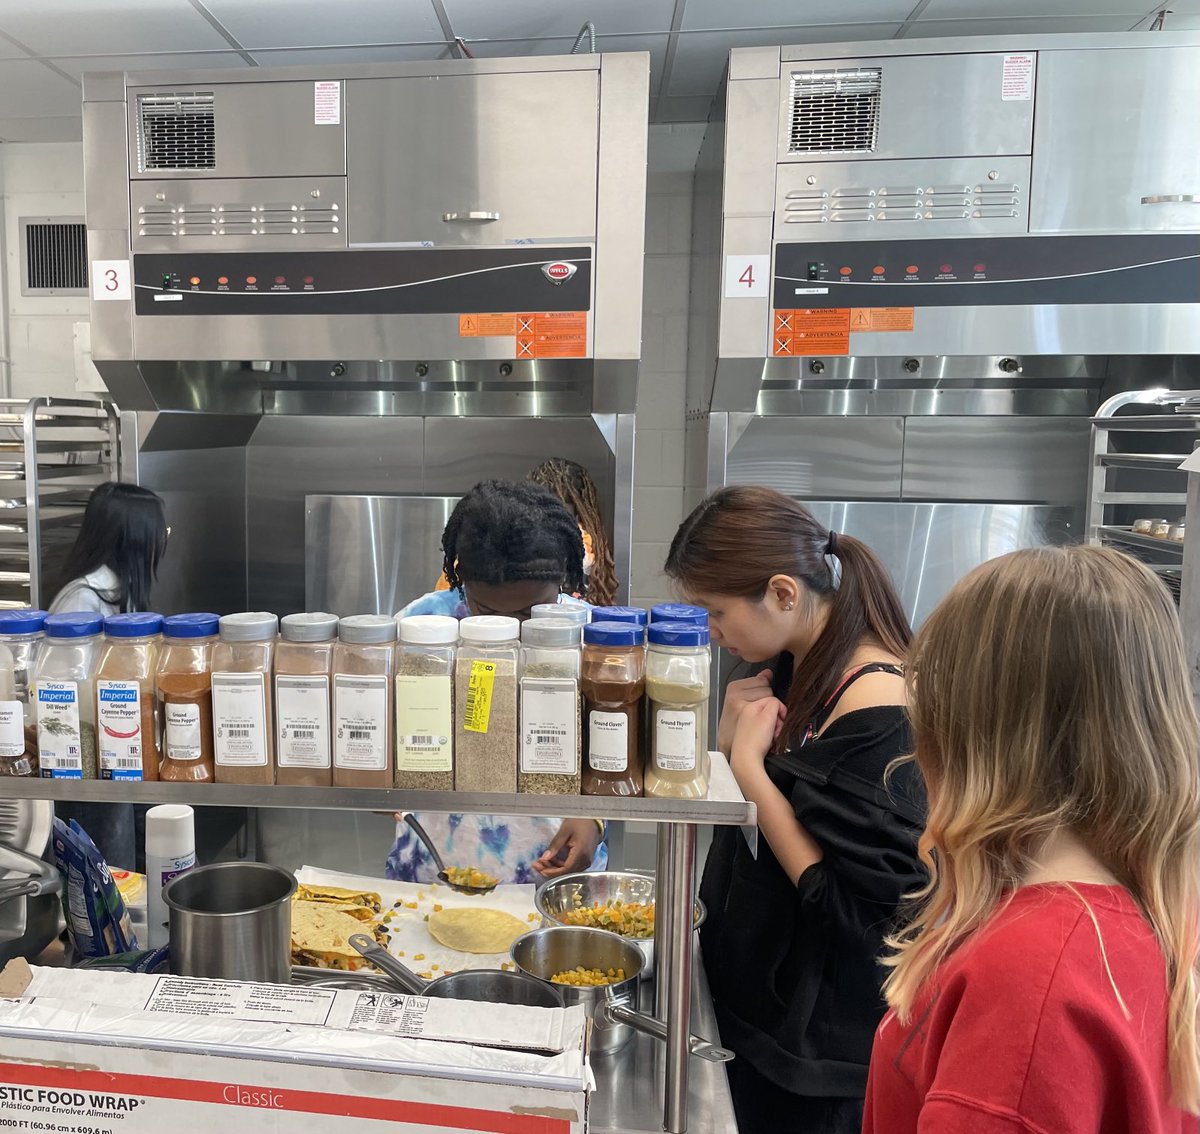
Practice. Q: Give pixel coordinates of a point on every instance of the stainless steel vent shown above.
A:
(176, 131)
(835, 111)
(53, 256)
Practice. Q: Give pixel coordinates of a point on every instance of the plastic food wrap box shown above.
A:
(84, 1052)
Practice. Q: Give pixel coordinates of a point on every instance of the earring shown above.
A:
(788, 607)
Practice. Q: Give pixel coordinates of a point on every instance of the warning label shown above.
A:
(556, 334)
(881, 318)
(476, 326)
(1017, 83)
(811, 330)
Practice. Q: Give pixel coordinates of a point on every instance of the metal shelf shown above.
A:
(1174, 422)
(1172, 499)
(1123, 535)
(1153, 461)
(724, 807)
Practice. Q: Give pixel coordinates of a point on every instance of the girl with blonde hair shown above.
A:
(1049, 982)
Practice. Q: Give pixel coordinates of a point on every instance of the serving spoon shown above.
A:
(443, 875)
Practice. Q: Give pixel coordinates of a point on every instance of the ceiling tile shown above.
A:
(29, 89)
(116, 27)
(79, 65)
(656, 45)
(319, 23)
(713, 14)
(41, 129)
(1023, 25)
(537, 19)
(700, 57)
(1064, 9)
(325, 56)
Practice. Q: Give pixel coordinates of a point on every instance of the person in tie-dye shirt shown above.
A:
(508, 547)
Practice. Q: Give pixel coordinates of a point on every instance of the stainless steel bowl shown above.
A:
(558, 895)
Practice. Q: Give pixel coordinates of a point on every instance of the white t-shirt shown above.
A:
(88, 593)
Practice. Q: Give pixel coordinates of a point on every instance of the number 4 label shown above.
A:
(110, 280)
(747, 277)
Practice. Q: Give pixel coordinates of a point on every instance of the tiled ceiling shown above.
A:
(46, 45)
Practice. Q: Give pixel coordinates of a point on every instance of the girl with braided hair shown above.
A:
(570, 482)
(508, 547)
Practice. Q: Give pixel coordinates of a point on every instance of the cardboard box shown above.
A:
(98, 1062)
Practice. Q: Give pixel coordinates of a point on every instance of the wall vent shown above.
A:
(835, 111)
(176, 131)
(53, 256)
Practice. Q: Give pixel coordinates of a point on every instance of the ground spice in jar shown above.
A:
(185, 709)
(425, 703)
(550, 736)
(485, 705)
(613, 684)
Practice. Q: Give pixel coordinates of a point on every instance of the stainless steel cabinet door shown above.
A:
(1115, 141)
(473, 159)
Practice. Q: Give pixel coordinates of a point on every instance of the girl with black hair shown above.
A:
(113, 563)
(793, 935)
(508, 547)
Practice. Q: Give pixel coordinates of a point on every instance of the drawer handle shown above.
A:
(470, 218)
(1173, 199)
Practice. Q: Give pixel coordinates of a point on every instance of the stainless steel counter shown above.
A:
(629, 1084)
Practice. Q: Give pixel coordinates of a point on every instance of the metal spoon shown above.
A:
(443, 876)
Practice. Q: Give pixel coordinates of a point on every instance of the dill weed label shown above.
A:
(60, 746)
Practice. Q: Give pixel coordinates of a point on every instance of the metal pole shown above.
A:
(664, 881)
(678, 977)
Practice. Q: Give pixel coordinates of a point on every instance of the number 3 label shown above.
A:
(110, 280)
(747, 277)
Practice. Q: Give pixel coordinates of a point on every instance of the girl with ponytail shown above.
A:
(793, 934)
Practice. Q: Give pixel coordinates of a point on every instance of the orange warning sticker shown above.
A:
(881, 319)
(473, 326)
(555, 334)
(811, 330)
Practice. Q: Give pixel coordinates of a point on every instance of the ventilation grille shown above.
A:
(835, 111)
(176, 131)
(53, 256)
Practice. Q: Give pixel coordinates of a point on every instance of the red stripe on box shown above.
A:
(280, 1099)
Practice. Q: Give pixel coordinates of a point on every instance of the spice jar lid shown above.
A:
(550, 632)
(202, 625)
(22, 621)
(578, 613)
(249, 626)
(367, 629)
(677, 634)
(489, 628)
(678, 612)
(429, 630)
(77, 624)
(612, 634)
(315, 627)
(634, 615)
(137, 625)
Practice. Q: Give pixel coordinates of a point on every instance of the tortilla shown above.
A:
(342, 898)
(321, 936)
(470, 930)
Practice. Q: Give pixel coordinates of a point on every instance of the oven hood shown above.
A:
(443, 237)
(911, 211)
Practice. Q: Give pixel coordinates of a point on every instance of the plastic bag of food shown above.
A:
(150, 961)
(97, 919)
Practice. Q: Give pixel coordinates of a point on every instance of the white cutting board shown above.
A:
(411, 941)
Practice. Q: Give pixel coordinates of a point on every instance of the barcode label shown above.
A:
(303, 734)
(422, 741)
(361, 733)
(548, 738)
(237, 733)
(126, 763)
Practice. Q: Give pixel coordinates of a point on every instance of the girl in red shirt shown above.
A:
(1048, 984)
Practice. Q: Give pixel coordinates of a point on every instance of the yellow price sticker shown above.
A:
(478, 710)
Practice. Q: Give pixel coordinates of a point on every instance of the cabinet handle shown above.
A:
(470, 218)
(1173, 199)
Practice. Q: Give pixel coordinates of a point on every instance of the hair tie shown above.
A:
(831, 546)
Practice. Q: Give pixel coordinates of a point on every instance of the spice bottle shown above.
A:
(21, 635)
(485, 704)
(303, 667)
(550, 709)
(678, 612)
(578, 612)
(126, 722)
(425, 703)
(64, 691)
(613, 681)
(677, 686)
(183, 685)
(631, 615)
(363, 662)
(243, 728)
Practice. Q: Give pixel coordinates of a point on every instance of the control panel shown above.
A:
(988, 271)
